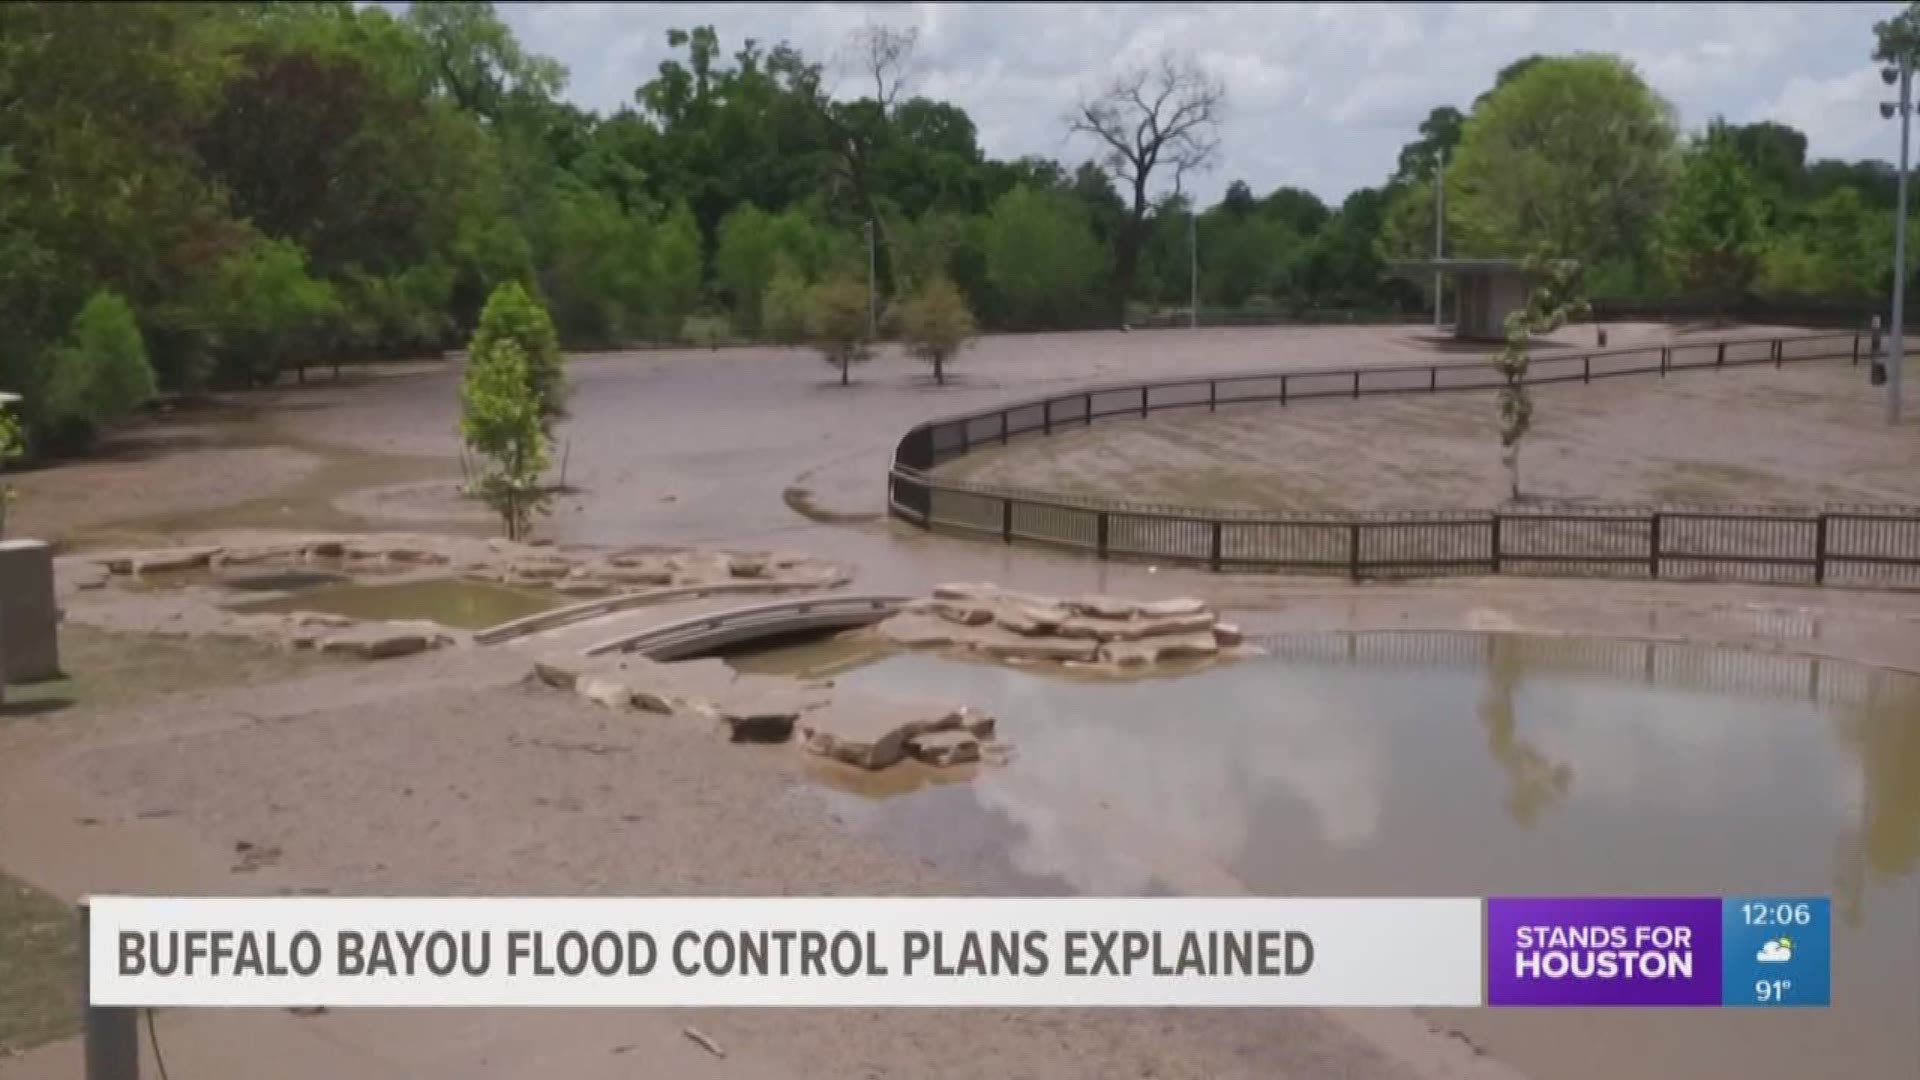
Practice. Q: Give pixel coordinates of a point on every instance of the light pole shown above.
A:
(873, 323)
(1896, 340)
(1439, 226)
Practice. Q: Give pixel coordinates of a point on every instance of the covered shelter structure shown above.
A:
(1485, 291)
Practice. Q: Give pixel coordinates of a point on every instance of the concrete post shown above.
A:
(31, 651)
(111, 1036)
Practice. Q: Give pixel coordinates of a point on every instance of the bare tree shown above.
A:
(882, 58)
(1157, 119)
(884, 55)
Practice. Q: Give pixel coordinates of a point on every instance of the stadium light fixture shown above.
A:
(1896, 349)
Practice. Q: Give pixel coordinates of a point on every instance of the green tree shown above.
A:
(269, 311)
(676, 269)
(1837, 247)
(1573, 153)
(837, 322)
(1898, 37)
(11, 449)
(1406, 230)
(512, 315)
(1242, 256)
(1714, 232)
(1041, 258)
(935, 324)
(1551, 302)
(500, 420)
(471, 56)
(753, 244)
(1346, 268)
(1775, 156)
(783, 311)
(100, 375)
(1439, 134)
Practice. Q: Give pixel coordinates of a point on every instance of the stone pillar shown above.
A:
(29, 648)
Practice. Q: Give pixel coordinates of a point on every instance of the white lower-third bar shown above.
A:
(783, 951)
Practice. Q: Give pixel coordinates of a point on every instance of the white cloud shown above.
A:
(1319, 94)
(1840, 115)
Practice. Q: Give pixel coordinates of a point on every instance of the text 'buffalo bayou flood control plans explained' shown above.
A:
(871, 953)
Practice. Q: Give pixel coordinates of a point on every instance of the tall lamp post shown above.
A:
(873, 307)
(1896, 355)
(1439, 226)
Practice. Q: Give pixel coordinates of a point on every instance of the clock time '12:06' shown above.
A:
(1784, 913)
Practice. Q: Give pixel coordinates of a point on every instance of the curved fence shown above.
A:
(1875, 546)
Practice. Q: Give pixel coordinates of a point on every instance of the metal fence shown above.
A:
(1871, 546)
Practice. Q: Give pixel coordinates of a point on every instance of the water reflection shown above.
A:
(1466, 764)
(1884, 734)
(1537, 780)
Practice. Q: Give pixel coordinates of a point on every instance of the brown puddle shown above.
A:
(455, 602)
(1456, 764)
(812, 656)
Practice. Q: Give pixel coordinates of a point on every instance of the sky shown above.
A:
(1319, 96)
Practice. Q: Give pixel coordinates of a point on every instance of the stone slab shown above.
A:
(1182, 606)
(872, 731)
(920, 631)
(162, 559)
(945, 748)
(1153, 650)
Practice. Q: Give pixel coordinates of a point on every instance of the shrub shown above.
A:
(500, 420)
(783, 310)
(10, 448)
(269, 312)
(711, 331)
(935, 323)
(100, 375)
(513, 316)
(837, 322)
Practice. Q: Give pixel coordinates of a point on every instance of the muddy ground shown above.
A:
(672, 447)
(1751, 435)
(445, 776)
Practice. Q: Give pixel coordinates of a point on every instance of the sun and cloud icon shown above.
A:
(1776, 951)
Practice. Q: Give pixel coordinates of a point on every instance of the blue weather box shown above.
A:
(1775, 951)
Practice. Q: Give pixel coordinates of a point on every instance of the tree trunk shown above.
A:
(1510, 456)
(1126, 261)
(845, 365)
(939, 373)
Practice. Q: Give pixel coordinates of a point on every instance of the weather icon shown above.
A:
(1776, 951)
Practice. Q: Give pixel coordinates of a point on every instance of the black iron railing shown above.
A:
(1874, 546)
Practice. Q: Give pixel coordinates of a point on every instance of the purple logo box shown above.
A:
(1603, 952)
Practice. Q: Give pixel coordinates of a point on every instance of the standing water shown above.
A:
(1443, 764)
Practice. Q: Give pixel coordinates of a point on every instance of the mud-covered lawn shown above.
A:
(40, 977)
(1807, 435)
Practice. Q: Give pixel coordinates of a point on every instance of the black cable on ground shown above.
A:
(153, 1039)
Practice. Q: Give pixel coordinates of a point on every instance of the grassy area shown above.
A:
(39, 967)
(107, 669)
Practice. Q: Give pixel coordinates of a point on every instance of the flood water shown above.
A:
(455, 602)
(1453, 764)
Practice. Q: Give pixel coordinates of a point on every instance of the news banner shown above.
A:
(1619, 952)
